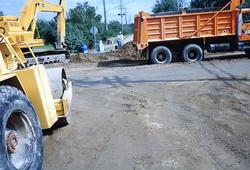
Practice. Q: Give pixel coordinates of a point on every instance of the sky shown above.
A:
(13, 7)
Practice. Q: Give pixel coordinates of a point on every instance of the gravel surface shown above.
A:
(156, 117)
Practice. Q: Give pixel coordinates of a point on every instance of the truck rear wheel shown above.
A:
(192, 53)
(21, 136)
(247, 51)
(161, 55)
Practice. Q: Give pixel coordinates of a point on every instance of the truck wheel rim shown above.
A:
(19, 140)
(161, 57)
(193, 55)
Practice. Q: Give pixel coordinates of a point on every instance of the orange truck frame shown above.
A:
(164, 37)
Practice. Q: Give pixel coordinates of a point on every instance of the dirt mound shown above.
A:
(87, 58)
(77, 58)
(128, 52)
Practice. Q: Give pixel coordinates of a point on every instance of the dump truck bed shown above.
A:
(151, 28)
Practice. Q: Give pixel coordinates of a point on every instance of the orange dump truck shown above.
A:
(187, 34)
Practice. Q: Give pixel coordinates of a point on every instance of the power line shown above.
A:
(118, 6)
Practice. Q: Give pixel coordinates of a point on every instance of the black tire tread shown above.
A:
(156, 50)
(9, 93)
(192, 46)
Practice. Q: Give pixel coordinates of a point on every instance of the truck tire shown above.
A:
(192, 53)
(161, 55)
(21, 136)
(247, 51)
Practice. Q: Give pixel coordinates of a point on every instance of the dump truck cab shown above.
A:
(244, 25)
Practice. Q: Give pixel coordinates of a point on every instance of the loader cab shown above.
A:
(10, 27)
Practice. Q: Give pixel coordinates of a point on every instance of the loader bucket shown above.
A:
(61, 89)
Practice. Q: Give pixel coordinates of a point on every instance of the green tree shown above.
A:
(1, 13)
(114, 27)
(208, 3)
(247, 4)
(80, 20)
(47, 31)
(214, 3)
(167, 5)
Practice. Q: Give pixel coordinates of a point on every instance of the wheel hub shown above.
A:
(11, 141)
(192, 55)
(161, 57)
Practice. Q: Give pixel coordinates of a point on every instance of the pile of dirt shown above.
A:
(77, 58)
(128, 52)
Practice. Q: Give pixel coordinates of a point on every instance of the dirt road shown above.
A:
(179, 116)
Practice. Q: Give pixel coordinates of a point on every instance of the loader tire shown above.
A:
(161, 55)
(20, 132)
(192, 53)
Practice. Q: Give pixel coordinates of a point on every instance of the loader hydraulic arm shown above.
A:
(29, 13)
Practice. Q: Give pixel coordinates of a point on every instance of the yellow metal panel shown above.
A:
(36, 85)
(66, 99)
(6, 77)
(3, 68)
(49, 7)
(63, 105)
(8, 56)
(59, 107)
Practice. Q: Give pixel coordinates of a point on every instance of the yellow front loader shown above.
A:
(31, 99)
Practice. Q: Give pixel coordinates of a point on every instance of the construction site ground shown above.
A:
(128, 116)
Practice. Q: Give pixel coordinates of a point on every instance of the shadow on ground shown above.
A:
(131, 62)
(226, 57)
(122, 63)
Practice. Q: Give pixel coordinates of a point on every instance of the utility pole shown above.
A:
(126, 21)
(121, 14)
(178, 5)
(105, 15)
(121, 6)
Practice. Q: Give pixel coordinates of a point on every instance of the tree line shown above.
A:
(83, 16)
(79, 21)
(175, 5)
